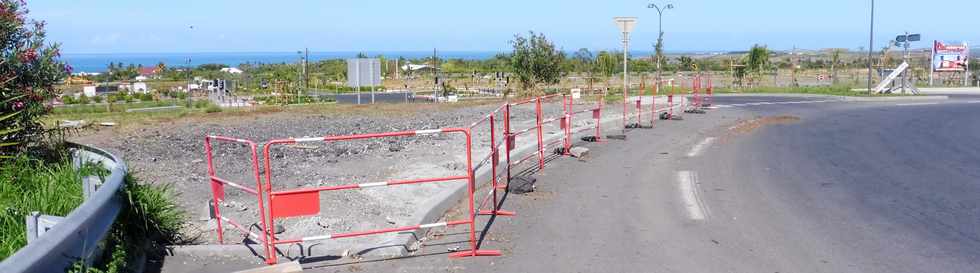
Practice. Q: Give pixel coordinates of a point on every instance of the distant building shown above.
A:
(92, 90)
(232, 70)
(418, 67)
(150, 72)
(139, 87)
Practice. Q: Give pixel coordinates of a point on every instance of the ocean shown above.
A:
(98, 62)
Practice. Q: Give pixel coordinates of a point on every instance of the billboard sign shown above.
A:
(363, 72)
(949, 57)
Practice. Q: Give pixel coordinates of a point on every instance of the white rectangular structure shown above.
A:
(363, 72)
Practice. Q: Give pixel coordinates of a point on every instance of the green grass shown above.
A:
(149, 217)
(115, 107)
(28, 185)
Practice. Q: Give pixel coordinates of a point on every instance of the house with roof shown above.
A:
(150, 72)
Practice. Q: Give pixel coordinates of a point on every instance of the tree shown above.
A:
(757, 62)
(535, 61)
(608, 63)
(659, 48)
(834, 62)
(687, 63)
(29, 69)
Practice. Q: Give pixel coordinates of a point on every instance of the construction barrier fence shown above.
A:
(505, 130)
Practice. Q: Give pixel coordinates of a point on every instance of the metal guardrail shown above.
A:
(78, 236)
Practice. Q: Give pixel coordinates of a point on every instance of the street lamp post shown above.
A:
(660, 34)
(626, 25)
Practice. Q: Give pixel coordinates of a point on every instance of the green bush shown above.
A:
(32, 68)
(201, 103)
(212, 109)
(97, 99)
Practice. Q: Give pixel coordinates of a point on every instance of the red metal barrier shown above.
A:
(218, 194)
(494, 159)
(570, 111)
(710, 92)
(304, 202)
(540, 120)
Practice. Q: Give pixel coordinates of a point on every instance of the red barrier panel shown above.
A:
(494, 159)
(540, 120)
(305, 202)
(710, 91)
(218, 193)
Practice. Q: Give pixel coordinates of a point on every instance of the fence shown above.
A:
(218, 193)
(274, 205)
(493, 158)
(306, 202)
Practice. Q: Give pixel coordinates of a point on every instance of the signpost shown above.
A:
(904, 41)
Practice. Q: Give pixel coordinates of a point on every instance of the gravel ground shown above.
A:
(172, 153)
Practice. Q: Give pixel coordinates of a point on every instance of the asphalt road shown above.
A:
(794, 185)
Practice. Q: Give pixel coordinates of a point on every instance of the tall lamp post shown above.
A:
(660, 34)
(871, 44)
(625, 25)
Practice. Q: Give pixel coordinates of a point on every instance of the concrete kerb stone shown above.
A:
(842, 98)
(893, 99)
(428, 212)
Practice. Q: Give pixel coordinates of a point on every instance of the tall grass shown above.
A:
(149, 217)
(28, 185)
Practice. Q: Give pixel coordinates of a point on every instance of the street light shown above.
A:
(660, 35)
(625, 25)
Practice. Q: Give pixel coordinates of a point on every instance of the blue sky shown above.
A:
(127, 26)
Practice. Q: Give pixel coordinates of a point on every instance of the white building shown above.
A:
(89, 91)
(139, 87)
(232, 70)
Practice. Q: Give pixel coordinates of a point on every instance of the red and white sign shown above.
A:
(950, 58)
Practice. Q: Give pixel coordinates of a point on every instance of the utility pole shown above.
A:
(871, 44)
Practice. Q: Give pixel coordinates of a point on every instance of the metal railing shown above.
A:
(77, 237)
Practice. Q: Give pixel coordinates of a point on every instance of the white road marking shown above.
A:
(687, 184)
(698, 148)
(916, 104)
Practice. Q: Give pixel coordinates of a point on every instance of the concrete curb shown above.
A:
(889, 99)
(401, 245)
(842, 98)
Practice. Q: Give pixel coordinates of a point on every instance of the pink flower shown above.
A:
(28, 56)
(18, 105)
